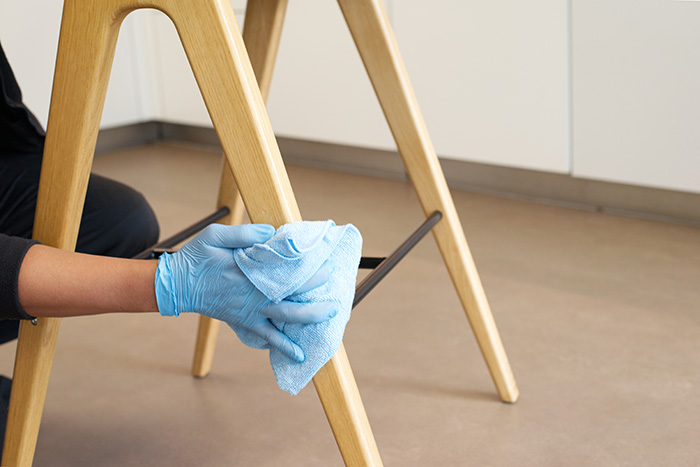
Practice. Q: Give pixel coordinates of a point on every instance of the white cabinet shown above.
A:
(491, 78)
(320, 90)
(636, 100)
(495, 80)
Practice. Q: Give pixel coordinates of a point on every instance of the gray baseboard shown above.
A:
(204, 136)
(563, 189)
(128, 136)
(546, 187)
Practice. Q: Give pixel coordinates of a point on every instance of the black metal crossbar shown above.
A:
(388, 263)
(370, 262)
(381, 266)
(184, 234)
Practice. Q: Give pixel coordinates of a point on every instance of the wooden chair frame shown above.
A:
(373, 36)
(225, 74)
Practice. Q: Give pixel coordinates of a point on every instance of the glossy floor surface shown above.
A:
(599, 314)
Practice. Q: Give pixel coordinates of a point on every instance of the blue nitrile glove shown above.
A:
(203, 278)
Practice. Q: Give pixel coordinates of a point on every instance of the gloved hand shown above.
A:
(204, 278)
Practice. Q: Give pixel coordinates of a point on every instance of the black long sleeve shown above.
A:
(12, 251)
(20, 132)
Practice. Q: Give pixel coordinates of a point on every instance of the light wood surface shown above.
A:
(208, 329)
(221, 66)
(262, 30)
(216, 52)
(375, 41)
(82, 75)
(340, 397)
(257, 166)
(35, 350)
(207, 332)
(261, 34)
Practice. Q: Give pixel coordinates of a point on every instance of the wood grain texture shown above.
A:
(216, 52)
(33, 361)
(80, 85)
(208, 329)
(261, 33)
(340, 397)
(375, 41)
(335, 382)
(217, 55)
(207, 332)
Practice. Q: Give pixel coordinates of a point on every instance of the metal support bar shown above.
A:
(370, 262)
(184, 234)
(381, 266)
(392, 260)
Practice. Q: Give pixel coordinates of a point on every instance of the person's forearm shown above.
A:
(58, 283)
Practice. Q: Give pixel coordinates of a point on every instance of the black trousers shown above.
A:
(117, 220)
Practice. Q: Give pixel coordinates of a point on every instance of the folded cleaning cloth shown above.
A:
(284, 263)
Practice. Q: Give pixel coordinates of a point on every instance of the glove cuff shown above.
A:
(165, 292)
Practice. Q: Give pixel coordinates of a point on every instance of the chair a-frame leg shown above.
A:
(261, 35)
(375, 41)
(218, 57)
(82, 75)
(209, 328)
(252, 152)
(374, 38)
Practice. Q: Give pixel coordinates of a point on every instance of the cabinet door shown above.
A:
(320, 90)
(491, 78)
(636, 101)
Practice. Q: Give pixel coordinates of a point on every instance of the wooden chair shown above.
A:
(373, 36)
(235, 103)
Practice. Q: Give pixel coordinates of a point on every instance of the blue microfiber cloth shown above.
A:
(284, 263)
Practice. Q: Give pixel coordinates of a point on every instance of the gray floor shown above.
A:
(600, 316)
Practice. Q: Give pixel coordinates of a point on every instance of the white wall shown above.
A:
(319, 91)
(29, 34)
(637, 92)
(495, 80)
(174, 92)
(491, 78)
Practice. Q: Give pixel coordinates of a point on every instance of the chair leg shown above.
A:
(35, 350)
(209, 328)
(374, 38)
(80, 85)
(261, 34)
(207, 29)
(342, 403)
(207, 332)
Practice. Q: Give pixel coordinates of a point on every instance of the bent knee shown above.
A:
(117, 220)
